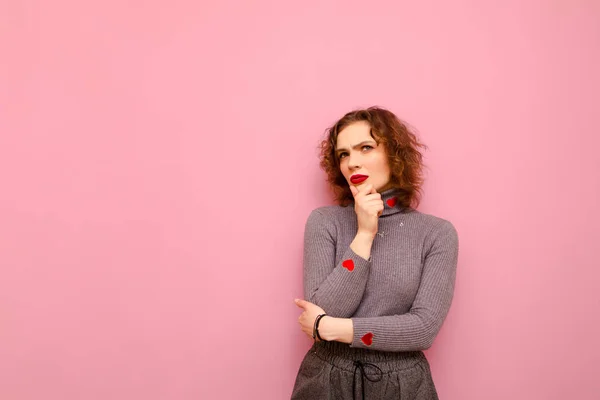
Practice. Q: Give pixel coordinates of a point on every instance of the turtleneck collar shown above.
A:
(391, 204)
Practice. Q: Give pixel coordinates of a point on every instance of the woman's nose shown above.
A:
(354, 162)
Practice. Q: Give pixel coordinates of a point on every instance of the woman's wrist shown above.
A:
(336, 329)
(365, 236)
(362, 243)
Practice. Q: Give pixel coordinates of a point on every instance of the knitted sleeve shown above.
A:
(336, 288)
(417, 329)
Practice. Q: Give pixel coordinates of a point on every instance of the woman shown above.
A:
(381, 271)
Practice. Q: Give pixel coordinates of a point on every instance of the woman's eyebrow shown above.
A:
(356, 145)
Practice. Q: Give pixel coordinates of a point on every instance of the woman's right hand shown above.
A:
(368, 207)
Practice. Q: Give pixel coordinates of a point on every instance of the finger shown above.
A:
(373, 191)
(301, 303)
(354, 190)
(366, 189)
(373, 203)
(373, 196)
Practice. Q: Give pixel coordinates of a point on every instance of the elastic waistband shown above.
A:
(343, 356)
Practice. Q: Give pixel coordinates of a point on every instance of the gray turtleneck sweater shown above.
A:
(399, 298)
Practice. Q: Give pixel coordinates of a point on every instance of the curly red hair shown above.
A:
(402, 148)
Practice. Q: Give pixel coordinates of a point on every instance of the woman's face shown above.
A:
(362, 160)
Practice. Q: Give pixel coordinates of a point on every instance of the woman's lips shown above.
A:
(358, 178)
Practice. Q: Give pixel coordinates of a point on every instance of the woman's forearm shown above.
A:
(362, 244)
(336, 329)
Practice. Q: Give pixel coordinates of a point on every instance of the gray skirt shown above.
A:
(334, 370)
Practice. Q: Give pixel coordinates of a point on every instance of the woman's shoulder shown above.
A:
(330, 215)
(332, 211)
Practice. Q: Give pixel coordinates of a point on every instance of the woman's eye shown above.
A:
(366, 147)
(342, 155)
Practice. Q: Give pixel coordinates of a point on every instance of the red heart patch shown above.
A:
(367, 339)
(349, 265)
(392, 202)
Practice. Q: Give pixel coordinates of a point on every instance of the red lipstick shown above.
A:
(356, 179)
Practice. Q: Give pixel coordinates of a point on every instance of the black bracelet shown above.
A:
(317, 321)
(315, 329)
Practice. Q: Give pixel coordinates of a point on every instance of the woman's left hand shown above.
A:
(308, 316)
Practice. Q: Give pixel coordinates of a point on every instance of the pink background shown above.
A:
(158, 162)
